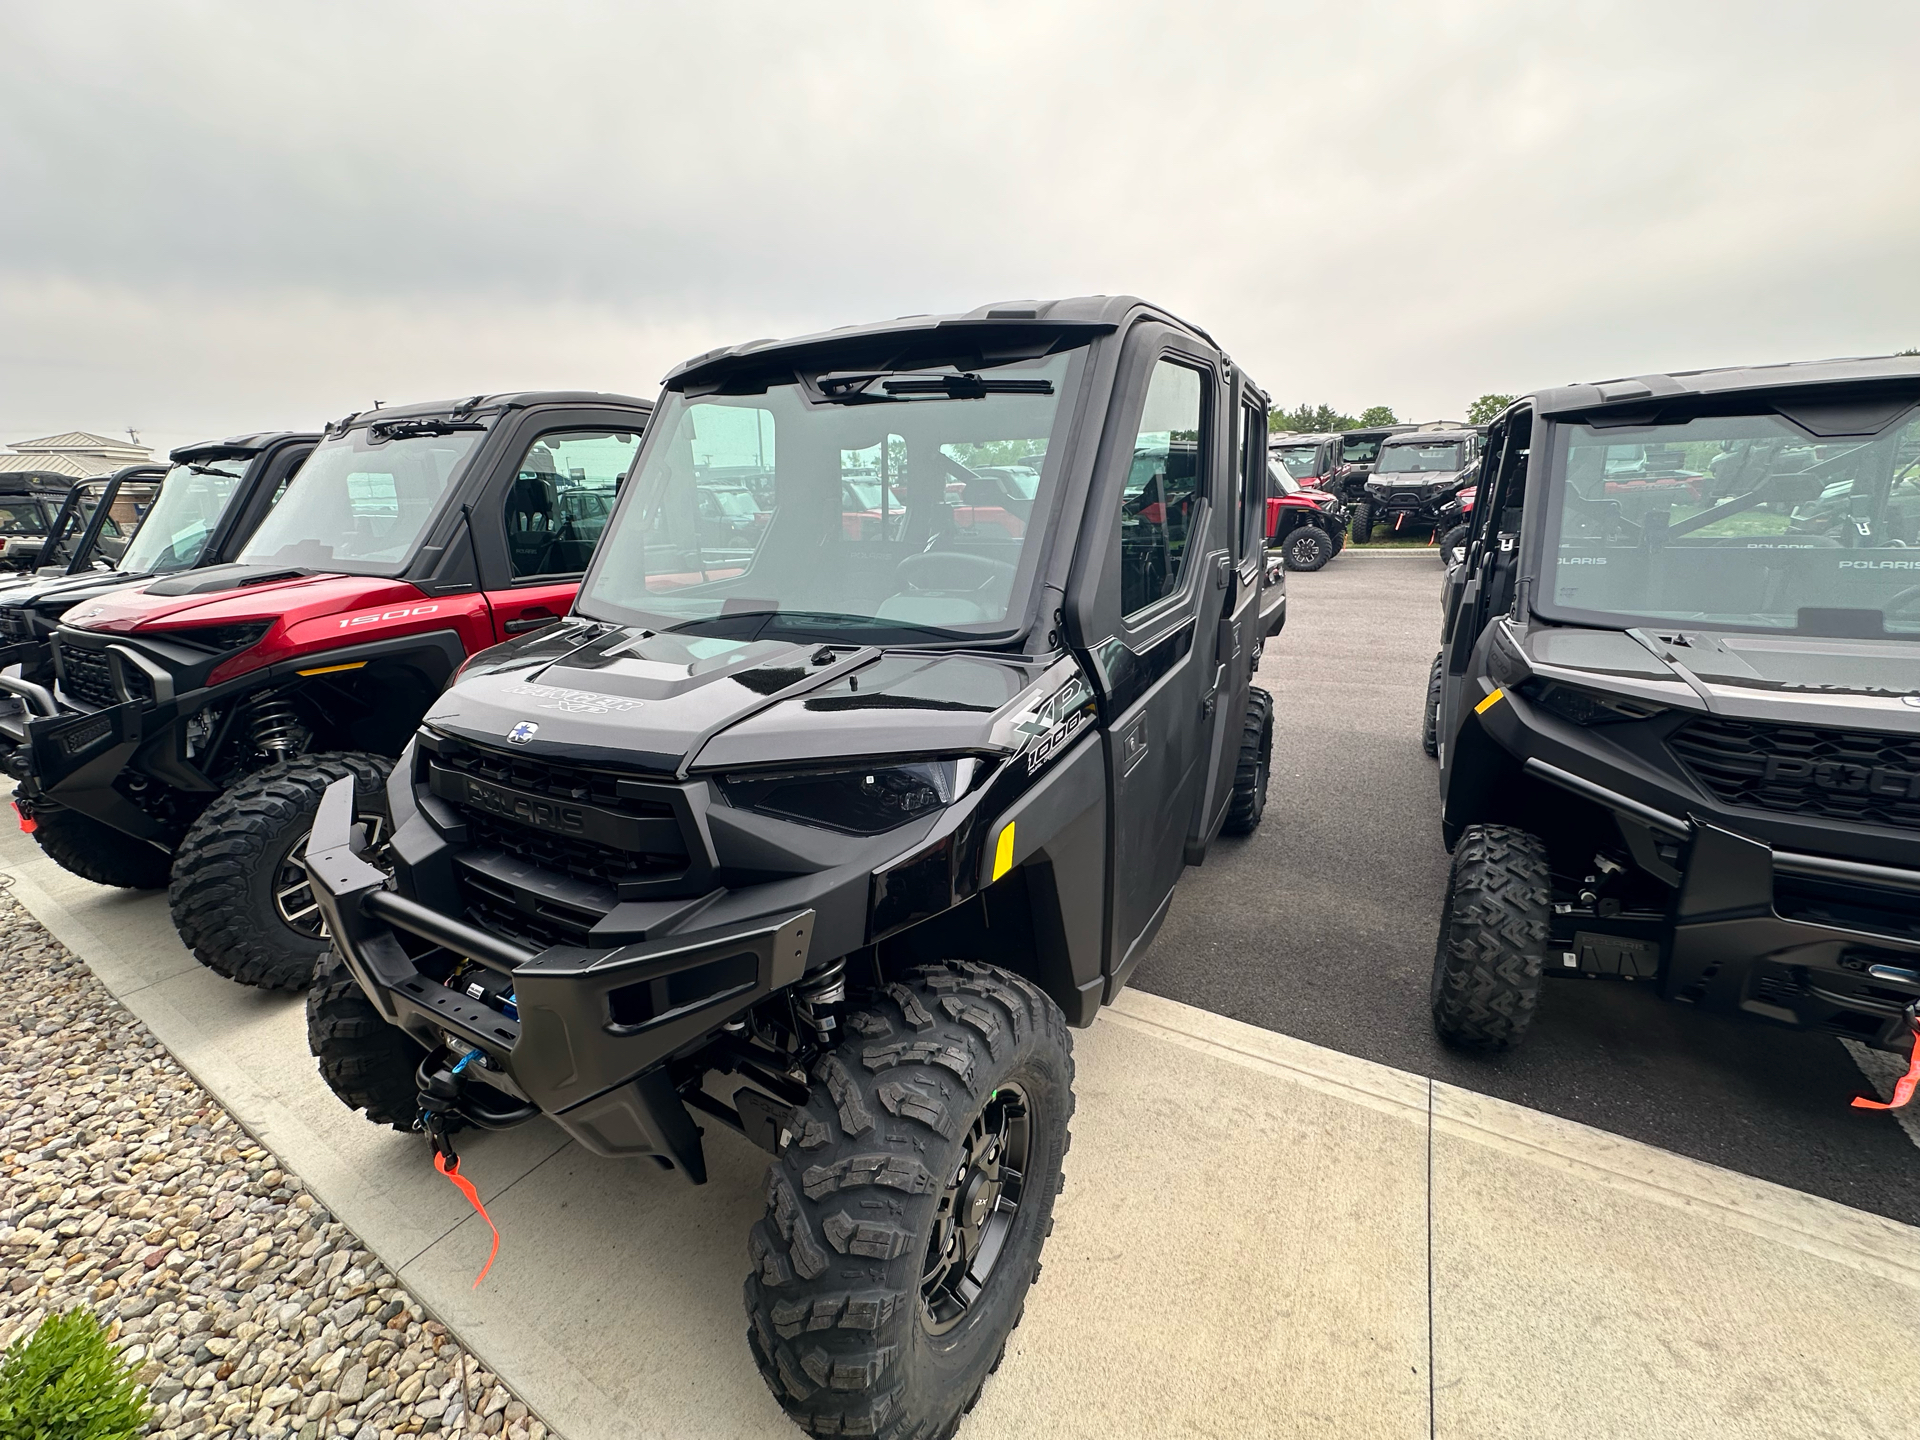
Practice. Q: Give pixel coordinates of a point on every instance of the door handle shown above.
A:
(528, 622)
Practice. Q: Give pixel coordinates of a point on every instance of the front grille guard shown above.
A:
(565, 1052)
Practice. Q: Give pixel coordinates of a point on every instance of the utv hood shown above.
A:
(1805, 679)
(667, 702)
(229, 594)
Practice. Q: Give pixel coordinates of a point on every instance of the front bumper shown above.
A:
(586, 1032)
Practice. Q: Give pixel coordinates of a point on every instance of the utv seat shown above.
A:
(948, 587)
(531, 508)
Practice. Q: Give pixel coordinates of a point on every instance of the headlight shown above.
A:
(869, 800)
(1586, 707)
(219, 637)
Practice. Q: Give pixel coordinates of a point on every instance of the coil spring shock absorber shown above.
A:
(274, 726)
(818, 999)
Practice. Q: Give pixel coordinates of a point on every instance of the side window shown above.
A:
(1163, 488)
(1253, 480)
(561, 495)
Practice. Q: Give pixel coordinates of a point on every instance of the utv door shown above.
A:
(1153, 575)
(1234, 554)
(539, 519)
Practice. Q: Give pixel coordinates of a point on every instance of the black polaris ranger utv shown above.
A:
(201, 714)
(1416, 478)
(90, 526)
(1679, 718)
(827, 835)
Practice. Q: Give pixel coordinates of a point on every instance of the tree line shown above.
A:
(1311, 419)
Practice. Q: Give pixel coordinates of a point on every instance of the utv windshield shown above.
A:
(1743, 522)
(889, 508)
(1419, 459)
(361, 502)
(1359, 452)
(174, 533)
(1300, 461)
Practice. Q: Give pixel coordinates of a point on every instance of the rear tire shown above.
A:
(238, 894)
(1360, 525)
(96, 851)
(1493, 938)
(1254, 767)
(857, 1316)
(368, 1063)
(1307, 548)
(1430, 718)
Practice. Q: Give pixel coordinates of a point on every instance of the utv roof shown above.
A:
(473, 405)
(1296, 437)
(236, 445)
(29, 482)
(1850, 392)
(1433, 437)
(1008, 330)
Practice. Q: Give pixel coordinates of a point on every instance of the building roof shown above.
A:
(82, 440)
(76, 454)
(61, 467)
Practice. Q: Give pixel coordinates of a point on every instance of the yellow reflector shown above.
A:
(1488, 703)
(329, 669)
(1003, 853)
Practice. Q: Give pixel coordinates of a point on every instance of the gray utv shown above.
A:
(1678, 708)
(827, 812)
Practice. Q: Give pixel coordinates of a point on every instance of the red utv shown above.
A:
(1307, 526)
(200, 716)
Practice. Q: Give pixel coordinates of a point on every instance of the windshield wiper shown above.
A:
(853, 389)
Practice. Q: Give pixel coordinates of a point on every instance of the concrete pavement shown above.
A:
(1258, 1236)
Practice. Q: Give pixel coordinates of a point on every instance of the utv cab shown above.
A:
(1678, 716)
(29, 500)
(828, 842)
(199, 716)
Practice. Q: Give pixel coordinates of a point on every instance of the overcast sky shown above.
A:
(227, 216)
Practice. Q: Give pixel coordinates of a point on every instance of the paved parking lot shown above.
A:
(1322, 926)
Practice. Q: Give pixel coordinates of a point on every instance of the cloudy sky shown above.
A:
(225, 216)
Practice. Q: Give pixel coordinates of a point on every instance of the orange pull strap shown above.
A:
(465, 1187)
(1903, 1088)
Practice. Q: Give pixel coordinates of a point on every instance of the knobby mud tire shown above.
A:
(1253, 769)
(96, 851)
(1430, 717)
(1307, 548)
(1493, 938)
(834, 1300)
(366, 1062)
(227, 868)
(1360, 523)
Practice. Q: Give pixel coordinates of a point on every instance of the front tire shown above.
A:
(1255, 765)
(366, 1062)
(901, 1238)
(1493, 938)
(1430, 717)
(239, 895)
(1307, 548)
(1453, 545)
(1360, 525)
(96, 851)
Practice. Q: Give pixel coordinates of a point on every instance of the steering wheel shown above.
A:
(950, 570)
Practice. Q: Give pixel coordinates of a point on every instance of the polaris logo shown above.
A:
(1583, 559)
(541, 814)
(1879, 780)
(1880, 564)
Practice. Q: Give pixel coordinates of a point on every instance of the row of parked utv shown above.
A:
(804, 753)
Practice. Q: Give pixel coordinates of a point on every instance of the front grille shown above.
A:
(85, 677)
(495, 905)
(602, 788)
(16, 623)
(1855, 775)
(563, 855)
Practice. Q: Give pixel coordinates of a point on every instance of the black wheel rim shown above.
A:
(977, 1210)
(293, 892)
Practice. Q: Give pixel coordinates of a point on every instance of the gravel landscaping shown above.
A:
(126, 1188)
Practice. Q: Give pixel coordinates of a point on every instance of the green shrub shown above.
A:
(64, 1382)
